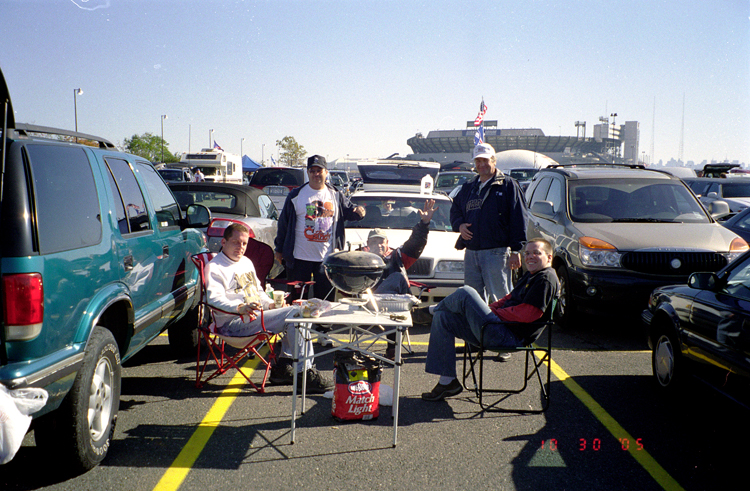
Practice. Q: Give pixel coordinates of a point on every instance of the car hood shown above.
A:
(440, 245)
(644, 236)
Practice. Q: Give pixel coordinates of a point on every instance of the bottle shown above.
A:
(269, 291)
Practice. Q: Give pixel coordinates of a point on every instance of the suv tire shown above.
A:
(565, 309)
(81, 431)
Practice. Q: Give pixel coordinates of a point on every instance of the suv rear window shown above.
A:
(65, 220)
(278, 177)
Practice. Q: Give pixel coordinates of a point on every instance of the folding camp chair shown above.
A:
(540, 365)
(216, 344)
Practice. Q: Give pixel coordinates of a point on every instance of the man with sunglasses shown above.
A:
(462, 314)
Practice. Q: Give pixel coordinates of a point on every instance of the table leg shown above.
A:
(295, 365)
(396, 383)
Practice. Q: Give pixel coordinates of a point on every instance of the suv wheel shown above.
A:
(565, 308)
(81, 430)
(666, 361)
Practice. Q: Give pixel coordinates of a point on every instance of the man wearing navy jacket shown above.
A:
(490, 214)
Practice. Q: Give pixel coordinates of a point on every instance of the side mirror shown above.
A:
(197, 216)
(718, 209)
(543, 209)
(704, 281)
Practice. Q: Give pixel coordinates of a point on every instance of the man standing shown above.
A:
(311, 226)
(490, 214)
(462, 314)
(198, 175)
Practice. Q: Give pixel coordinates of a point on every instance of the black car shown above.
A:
(278, 181)
(740, 224)
(704, 324)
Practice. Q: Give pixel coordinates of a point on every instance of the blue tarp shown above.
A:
(249, 164)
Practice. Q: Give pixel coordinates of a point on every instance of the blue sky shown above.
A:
(359, 78)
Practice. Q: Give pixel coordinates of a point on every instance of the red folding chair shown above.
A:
(216, 344)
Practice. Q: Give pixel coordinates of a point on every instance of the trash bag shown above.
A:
(357, 390)
(16, 408)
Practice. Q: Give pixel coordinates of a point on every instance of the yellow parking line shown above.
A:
(641, 456)
(177, 472)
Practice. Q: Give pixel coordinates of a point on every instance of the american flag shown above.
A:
(216, 145)
(480, 116)
(479, 135)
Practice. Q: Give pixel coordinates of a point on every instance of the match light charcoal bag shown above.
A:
(357, 391)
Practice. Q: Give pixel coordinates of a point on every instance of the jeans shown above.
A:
(461, 315)
(487, 272)
(274, 322)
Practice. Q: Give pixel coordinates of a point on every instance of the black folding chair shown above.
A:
(534, 365)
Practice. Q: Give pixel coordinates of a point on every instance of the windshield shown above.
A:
(736, 189)
(399, 213)
(633, 200)
(451, 180)
(523, 174)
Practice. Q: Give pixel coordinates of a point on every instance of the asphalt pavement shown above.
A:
(607, 428)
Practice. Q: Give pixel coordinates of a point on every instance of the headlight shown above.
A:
(737, 248)
(596, 252)
(449, 267)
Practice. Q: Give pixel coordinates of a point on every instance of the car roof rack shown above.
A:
(24, 130)
(598, 164)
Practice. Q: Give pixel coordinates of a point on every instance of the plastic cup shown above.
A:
(278, 298)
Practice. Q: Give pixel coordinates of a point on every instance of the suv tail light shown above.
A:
(23, 306)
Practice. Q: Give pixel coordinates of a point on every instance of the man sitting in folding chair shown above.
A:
(228, 273)
(397, 261)
(463, 313)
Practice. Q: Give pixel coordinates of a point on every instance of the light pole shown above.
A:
(241, 140)
(210, 132)
(76, 93)
(617, 148)
(163, 117)
(263, 154)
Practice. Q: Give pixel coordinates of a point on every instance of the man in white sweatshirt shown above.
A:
(234, 286)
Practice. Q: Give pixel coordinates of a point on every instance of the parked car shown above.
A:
(448, 181)
(702, 327)
(171, 174)
(621, 231)
(340, 180)
(276, 182)
(734, 191)
(249, 205)
(391, 196)
(739, 224)
(95, 263)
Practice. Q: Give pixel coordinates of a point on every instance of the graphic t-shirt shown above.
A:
(314, 231)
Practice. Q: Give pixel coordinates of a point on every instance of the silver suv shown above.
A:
(621, 231)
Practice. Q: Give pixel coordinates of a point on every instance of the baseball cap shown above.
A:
(483, 150)
(376, 233)
(317, 160)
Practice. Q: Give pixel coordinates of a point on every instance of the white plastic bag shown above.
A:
(16, 407)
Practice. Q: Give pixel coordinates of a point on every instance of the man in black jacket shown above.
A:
(490, 214)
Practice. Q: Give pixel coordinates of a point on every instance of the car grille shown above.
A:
(664, 262)
(421, 268)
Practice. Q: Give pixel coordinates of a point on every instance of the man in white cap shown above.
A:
(490, 214)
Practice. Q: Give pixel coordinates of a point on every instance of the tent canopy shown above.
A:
(249, 164)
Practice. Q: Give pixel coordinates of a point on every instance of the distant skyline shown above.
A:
(358, 78)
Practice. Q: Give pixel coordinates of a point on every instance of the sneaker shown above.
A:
(281, 374)
(421, 316)
(502, 357)
(440, 391)
(317, 383)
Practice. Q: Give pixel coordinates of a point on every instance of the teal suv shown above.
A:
(94, 264)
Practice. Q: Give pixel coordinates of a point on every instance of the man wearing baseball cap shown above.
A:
(490, 213)
(311, 226)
